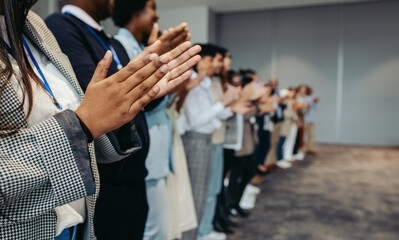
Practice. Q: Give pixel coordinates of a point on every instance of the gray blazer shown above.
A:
(49, 164)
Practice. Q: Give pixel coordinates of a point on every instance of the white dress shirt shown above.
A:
(201, 113)
(82, 15)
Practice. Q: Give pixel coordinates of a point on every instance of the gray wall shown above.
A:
(348, 53)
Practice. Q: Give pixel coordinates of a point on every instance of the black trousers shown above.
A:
(121, 212)
(241, 172)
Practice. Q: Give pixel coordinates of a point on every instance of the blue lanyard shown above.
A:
(114, 55)
(43, 80)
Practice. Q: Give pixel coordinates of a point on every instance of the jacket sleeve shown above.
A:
(42, 167)
(73, 42)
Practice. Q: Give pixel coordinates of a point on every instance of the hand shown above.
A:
(267, 107)
(176, 77)
(316, 99)
(194, 82)
(252, 92)
(111, 102)
(242, 107)
(229, 96)
(170, 38)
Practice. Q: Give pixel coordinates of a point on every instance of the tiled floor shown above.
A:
(344, 193)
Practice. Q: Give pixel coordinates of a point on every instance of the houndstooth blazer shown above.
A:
(49, 164)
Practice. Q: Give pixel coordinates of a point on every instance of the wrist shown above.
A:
(87, 126)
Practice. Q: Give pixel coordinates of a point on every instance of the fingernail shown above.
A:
(164, 68)
(152, 56)
(164, 59)
(107, 55)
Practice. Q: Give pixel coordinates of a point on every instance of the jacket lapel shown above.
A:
(49, 46)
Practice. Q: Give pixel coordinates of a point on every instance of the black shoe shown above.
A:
(241, 212)
(219, 228)
(232, 223)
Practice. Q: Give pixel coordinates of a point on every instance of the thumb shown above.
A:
(102, 67)
(154, 34)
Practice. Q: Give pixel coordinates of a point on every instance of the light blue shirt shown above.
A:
(309, 116)
(159, 159)
(132, 47)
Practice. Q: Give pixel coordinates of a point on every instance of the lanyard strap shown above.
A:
(42, 78)
(106, 47)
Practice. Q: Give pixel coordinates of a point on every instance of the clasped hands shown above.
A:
(112, 101)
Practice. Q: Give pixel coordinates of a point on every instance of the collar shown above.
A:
(82, 15)
(130, 37)
(207, 82)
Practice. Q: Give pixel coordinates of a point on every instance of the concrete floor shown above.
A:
(343, 193)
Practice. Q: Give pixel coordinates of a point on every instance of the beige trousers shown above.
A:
(275, 138)
(309, 131)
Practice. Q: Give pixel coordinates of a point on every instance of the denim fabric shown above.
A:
(215, 186)
(159, 159)
(156, 227)
(280, 149)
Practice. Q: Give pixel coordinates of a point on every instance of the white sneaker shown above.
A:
(252, 189)
(214, 236)
(284, 164)
(299, 156)
(248, 202)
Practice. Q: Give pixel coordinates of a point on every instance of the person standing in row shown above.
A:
(48, 177)
(138, 22)
(123, 193)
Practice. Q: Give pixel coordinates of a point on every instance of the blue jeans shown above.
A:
(156, 227)
(66, 234)
(280, 149)
(215, 186)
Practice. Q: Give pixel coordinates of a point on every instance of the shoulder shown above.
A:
(60, 23)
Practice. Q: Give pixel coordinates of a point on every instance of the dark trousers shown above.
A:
(121, 212)
(242, 171)
(262, 149)
(221, 212)
(280, 149)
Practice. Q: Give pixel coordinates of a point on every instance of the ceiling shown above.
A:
(245, 5)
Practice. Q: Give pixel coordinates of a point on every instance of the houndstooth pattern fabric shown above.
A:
(198, 149)
(38, 169)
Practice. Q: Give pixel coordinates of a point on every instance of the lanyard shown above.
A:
(42, 78)
(107, 47)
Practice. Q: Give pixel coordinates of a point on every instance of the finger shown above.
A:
(102, 67)
(177, 51)
(177, 82)
(184, 67)
(184, 57)
(180, 29)
(146, 79)
(179, 39)
(154, 33)
(138, 105)
(141, 60)
(188, 37)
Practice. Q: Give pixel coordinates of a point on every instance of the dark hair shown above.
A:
(207, 50)
(124, 10)
(220, 50)
(15, 13)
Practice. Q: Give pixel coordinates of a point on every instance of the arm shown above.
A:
(112, 146)
(194, 115)
(44, 166)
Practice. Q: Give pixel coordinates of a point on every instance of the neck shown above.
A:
(89, 8)
(135, 31)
